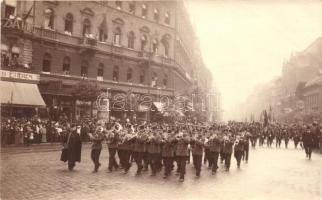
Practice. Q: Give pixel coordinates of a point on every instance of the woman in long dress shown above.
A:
(43, 133)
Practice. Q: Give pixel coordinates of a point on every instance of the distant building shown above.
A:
(312, 93)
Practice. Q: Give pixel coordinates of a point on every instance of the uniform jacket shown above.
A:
(182, 147)
(197, 147)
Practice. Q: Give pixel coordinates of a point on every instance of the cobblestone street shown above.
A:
(270, 174)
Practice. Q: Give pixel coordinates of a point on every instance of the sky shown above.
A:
(245, 42)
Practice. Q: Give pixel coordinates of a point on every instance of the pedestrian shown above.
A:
(43, 133)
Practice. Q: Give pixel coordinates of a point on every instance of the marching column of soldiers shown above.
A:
(158, 147)
(168, 146)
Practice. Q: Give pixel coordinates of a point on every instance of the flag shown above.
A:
(28, 13)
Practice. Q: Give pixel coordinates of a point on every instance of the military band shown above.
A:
(160, 146)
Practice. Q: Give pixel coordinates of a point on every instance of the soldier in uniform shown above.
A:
(167, 142)
(182, 152)
(215, 146)
(239, 149)
(138, 149)
(112, 142)
(197, 150)
(278, 138)
(308, 142)
(227, 151)
(97, 137)
(154, 149)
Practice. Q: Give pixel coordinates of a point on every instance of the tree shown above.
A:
(86, 91)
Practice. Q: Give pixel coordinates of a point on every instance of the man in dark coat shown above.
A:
(73, 147)
(182, 152)
(97, 137)
(308, 142)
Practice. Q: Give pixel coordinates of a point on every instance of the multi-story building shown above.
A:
(146, 47)
(312, 93)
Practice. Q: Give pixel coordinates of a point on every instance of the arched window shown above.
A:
(129, 74)
(100, 71)
(130, 43)
(144, 10)
(102, 30)
(167, 18)
(117, 36)
(143, 42)
(166, 45)
(165, 80)
(142, 77)
(46, 63)
(86, 27)
(49, 18)
(156, 15)
(155, 44)
(66, 65)
(116, 73)
(84, 69)
(69, 23)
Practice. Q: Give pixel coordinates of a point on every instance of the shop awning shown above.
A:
(23, 94)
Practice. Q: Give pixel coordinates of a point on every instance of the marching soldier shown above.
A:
(197, 150)
(239, 149)
(227, 151)
(308, 142)
(154, 149)
(182, 152)
(168, 141)
(139, 149)
(112, 142)
(97, 137)
(124, 149)
(215, 146)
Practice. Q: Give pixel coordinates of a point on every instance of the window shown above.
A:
(118, 5)
(66, 65)
(154, 80)
(129, 74)
(46, 63)
(102, 31)
(143, 42)
(165, 80)
(117, 36)
(132, 7)
(166, 45)
(100, 71)
(84, 68)
(69, 23)
(9, 10)
(144, 11)
(142, 77)
(49, 18)
(155, 46)
(167, 18)
(156, 15)
(116, 73)
(102, 35)
(130, 43)
(86, 27)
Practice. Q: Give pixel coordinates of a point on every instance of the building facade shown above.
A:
(148, 48)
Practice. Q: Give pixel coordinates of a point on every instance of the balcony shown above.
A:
(88, 45)
(12, 27)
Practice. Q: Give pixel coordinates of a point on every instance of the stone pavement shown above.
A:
(278, 174)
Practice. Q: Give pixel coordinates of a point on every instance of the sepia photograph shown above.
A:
(161, 100)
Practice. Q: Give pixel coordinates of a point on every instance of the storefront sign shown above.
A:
(19, 75)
